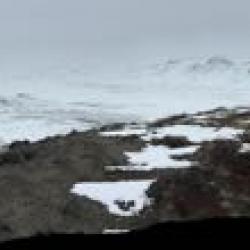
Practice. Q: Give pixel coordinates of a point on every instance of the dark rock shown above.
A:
(186, 195)
(172, 120)
(218, 152)
(245, 137)
(172, 141)
(36, 178)
(111, 127)
(125, 205)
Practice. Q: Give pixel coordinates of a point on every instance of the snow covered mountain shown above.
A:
(39, 103)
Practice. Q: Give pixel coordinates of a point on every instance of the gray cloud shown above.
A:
(95, 25)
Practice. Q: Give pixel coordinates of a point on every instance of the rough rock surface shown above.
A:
(35, 179)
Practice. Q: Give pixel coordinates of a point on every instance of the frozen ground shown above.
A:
(38, 102)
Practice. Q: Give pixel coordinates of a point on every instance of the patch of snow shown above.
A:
(109, 193)
(245, 121)
(194, 133)
(128, 130)
(199, 117)
(241, 110)
(123, 168)
(155, 157)
(115, 231)
(218, 114)
(245, 148)
(159, 157)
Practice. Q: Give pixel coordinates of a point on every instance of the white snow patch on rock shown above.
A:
(194, 133)
(109, 193)
(115, 231)
(245, 147)
(245, 121)
(128, 130)
(155, 157)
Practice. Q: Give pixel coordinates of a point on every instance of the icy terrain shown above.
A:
(36, 103)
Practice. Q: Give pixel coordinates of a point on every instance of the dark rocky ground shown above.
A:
(35, 179)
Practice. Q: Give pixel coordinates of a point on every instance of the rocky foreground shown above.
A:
(210, 179)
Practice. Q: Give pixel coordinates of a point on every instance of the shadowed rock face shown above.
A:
(188, 195)
(245, 137)
(217, 186)
(36, 178)
(219, 152)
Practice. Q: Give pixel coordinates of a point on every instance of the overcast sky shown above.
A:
(98, 26)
